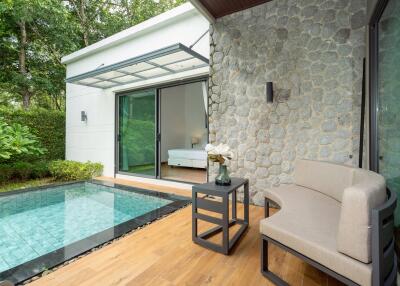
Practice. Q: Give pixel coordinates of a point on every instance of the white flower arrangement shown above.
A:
(219, 153)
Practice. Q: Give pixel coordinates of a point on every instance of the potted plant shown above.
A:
(220, 154)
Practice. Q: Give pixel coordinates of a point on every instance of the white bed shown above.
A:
(192, 158)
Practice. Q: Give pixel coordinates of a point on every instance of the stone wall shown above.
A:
(312, 51)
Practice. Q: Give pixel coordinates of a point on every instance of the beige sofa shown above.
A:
(327, 218)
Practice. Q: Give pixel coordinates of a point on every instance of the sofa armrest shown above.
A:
(354, 230)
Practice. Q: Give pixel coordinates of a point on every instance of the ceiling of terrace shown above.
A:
(220, 8)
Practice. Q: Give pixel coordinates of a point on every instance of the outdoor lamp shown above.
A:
(270, 92)
(83, 116)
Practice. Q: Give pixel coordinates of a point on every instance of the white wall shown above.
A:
(94, 140)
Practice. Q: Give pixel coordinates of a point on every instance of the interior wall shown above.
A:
(195, 115)
(182, 117)
(172, 122)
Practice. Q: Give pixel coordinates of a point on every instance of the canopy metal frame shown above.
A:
(96, 78)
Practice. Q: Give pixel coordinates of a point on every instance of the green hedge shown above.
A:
(72, 170)
(47, 125)
(23, 171)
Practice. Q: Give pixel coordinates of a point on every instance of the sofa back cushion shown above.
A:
(354, 231)
(328, 178)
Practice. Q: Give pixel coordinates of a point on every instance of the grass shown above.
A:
(11, 186)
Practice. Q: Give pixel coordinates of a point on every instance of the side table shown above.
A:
(222, 208)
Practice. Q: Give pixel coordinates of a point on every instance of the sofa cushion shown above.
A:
(354, 233)
(308, 223)
(328, 178)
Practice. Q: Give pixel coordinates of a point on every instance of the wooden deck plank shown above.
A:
(163, 254)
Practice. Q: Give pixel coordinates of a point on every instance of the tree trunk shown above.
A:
(25, 93)
(84, 24)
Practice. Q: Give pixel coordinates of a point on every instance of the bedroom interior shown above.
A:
(183, 124)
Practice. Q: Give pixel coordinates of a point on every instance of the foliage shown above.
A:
(138, 142)
(219, 153)
(72, 170)
(137, 126)
(16, 139)
(47, 125)
(35, 34)
(98, 19)
(23, 171)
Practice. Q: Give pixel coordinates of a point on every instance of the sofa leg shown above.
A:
(266, 208)
(264, 265)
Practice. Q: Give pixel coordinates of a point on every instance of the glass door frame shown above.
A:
(373, 83)
(117, 135)
(157, 88)
(373, 57)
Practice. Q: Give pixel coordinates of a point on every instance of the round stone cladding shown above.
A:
(312, 51)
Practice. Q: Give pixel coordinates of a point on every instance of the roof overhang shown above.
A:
(143, 28)
(214, 9)
(166, 61)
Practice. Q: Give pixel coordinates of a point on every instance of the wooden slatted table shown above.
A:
(224, 223)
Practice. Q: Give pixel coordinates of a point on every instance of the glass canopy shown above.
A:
(173, 59)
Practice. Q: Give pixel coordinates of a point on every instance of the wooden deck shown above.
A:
(163, 254)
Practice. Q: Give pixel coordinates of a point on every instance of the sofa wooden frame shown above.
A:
(384, 262)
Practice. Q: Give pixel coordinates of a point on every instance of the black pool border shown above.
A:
(50, 260)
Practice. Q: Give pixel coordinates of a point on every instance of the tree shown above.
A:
(16, 140)
(98, 19)
(35, 34)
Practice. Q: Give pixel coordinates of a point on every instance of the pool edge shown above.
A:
(35, 267)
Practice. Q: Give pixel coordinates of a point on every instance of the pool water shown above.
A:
(36, 223)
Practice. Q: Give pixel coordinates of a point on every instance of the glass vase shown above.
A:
(223, 178)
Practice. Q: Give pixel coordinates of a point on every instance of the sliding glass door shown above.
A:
(137, 133)
(184, 132)
(388, 84)
(385, 98)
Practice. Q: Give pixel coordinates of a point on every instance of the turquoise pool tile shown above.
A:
(36, 223)
(3, 265)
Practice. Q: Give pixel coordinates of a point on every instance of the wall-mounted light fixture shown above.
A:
(270, 92)
(83, 116)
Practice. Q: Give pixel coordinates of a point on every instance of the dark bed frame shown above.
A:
(384, 262)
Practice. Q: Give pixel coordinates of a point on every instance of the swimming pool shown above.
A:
(44, 227)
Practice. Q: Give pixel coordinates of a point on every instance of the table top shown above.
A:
(235, 184)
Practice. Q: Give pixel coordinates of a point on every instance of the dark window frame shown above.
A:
(373, 83)
(157, 87)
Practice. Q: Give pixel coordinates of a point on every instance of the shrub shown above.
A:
(47, 125)
(72, 170)
(40, 170)
(16, 139)
(23, 171)
(6, 172)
